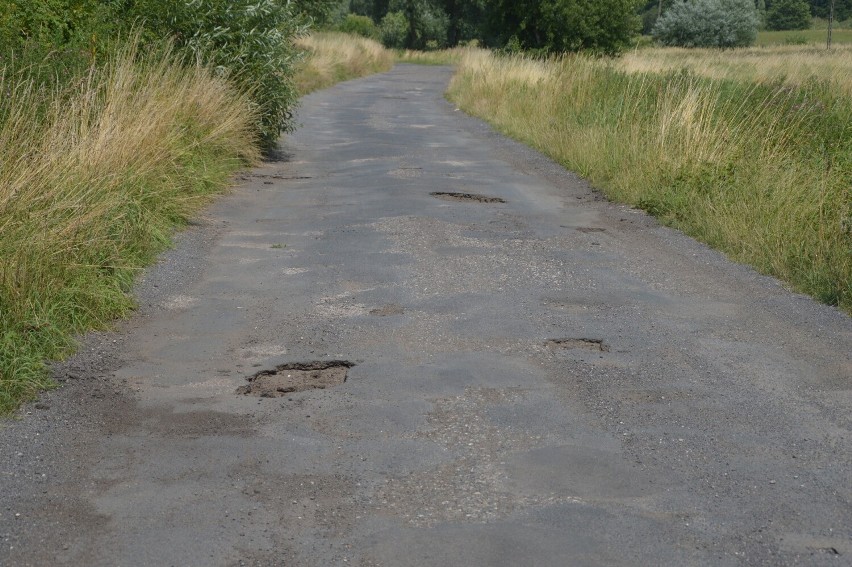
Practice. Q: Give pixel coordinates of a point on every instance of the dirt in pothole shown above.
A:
(297, 377)
(450, 196)
(387, 310)
(584, 344)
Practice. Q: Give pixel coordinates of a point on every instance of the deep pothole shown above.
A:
(582, 344)
(452, 196)
(296, 377)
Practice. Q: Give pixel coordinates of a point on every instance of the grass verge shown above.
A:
(94, 178)
(333, 57)
(760, 171)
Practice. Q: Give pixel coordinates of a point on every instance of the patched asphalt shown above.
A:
(525, 374)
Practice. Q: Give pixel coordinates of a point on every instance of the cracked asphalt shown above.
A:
(551, 380)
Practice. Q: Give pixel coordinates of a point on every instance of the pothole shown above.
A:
(588, 229)
(296, 377)
(583, 344)
(387, 310)
(451, 196)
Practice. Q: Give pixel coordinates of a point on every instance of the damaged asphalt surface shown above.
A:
(551, 380)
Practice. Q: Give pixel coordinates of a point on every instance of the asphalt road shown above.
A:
(547, 381)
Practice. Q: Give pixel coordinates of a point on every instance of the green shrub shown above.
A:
(359, 25)
(788, 15)
(43, 21)
(796, 39)
(249, 41)
(708, 23)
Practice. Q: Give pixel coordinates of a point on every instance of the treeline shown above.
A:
(774, 14)
(603, 26)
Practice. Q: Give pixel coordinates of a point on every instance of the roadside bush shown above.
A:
(248, 41)
(789, 15)
(51, 22)
(359, 25)
(708, 23)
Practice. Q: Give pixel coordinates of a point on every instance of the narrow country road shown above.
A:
(533, 376)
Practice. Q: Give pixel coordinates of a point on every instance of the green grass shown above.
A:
(760, 171)
(803, 37)
(96, 174)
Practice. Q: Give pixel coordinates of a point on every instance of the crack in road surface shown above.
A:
(553, 381)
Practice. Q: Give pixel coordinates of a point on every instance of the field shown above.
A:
(801, 37)
(749, 151)
(791, 65)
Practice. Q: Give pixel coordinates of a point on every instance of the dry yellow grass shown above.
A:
(759, 170)
(92, 181)
(440, 57)
(793, 65)
(333, 57)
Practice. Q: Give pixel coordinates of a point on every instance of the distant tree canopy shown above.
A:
(650, 10)
(604, 26)
(842, 8)
(788, 15)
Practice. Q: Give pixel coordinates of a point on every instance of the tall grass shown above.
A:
(759, 170)
(333, 57)
(452, 56)
(792, 65)
(93, 178)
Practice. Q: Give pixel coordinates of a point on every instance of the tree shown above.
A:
(842, 8)
(604, 26)
(709, 23)
(317, 12)
(394, 30)
(426, 24)
(465, 19)
(789, 15)
(650, 11)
